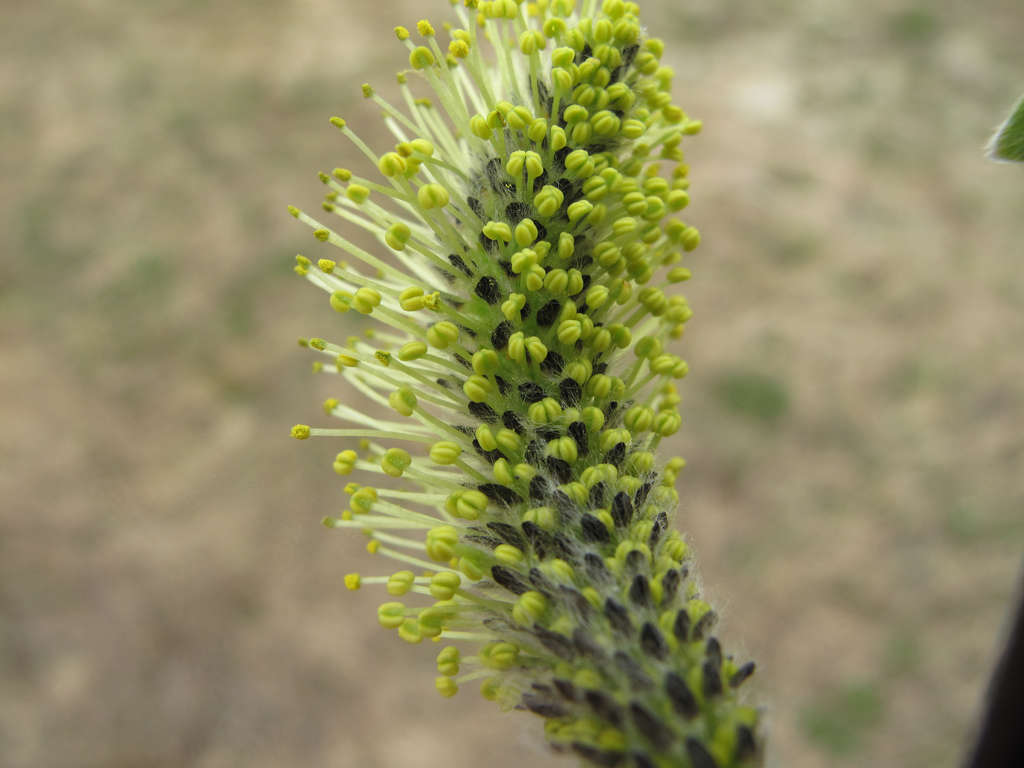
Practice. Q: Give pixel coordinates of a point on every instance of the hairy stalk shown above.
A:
(526, 235)
(1008, 141)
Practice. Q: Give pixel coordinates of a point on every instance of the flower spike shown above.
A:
(526, 240)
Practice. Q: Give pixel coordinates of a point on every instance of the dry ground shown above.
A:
(853, 420)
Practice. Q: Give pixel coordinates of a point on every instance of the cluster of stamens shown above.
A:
(526, 236)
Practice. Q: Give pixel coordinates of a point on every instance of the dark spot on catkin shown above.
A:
(487, 289)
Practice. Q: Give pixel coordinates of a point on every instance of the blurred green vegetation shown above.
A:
(839, 720)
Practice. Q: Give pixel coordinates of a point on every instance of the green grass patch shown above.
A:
(914, 26)
(838, 720)
(755, 396)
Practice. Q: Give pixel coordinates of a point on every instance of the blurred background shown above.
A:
(853, 419)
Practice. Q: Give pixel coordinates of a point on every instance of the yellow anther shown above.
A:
(563, 448)
(517, 347)
(442, 334)
(412, 350)
(403, 400)
(411, 299)
(411, 631)
(499, 655)
(400, 583)
(300, 431)
(525, 233)
(502, 471)
(432, 196)
(576, 211)
(485, 437)
(468, 505)
(395, 461)
(512, 307)
(575, 113)
(421, 57)
(422, 147)
(690, 238)
(518, 118)
(445, 452)
(556, 281)
(509, 555)
(341, 301)
(569, 331)
(523, 260)
(548, 200)
(498, 230)
(545, 411)
(391, 615)
(365, 300)
(397, 235)
(352, 581)
(357, 193)
(544, 517)
(363, 499)
(531, 41)
(566, 246)
(538, 130)
(478, 125)
(391, 164)
(535, 278)
(441, 543)
(534, 165)
(444, 584)
(448, 661)
(477, 388)
(345, 462)
(509, 442)
(485, 361)
(560, 570)
(529, 608)
(558, 138)
(537, 350)
(524, 472)
(424, 28)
